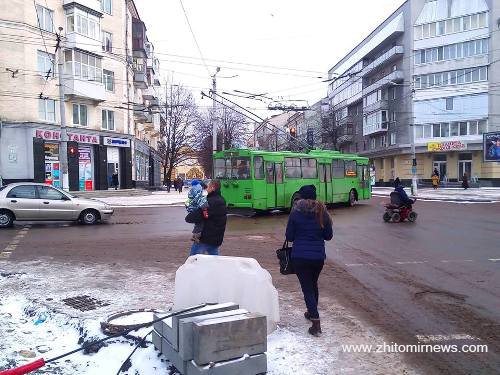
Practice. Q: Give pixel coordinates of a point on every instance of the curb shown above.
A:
(461, 200)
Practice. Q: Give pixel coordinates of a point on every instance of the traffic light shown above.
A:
(72, 151)
(293, 132)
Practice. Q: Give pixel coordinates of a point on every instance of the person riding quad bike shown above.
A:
(400, 208)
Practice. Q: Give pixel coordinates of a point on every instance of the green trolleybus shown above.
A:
(265, 180)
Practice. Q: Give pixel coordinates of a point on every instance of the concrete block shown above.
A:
(222, 339)
(158, 325)
(186, 330)
(156, 338)
(248, 365)
(170, 329)
(173, 356)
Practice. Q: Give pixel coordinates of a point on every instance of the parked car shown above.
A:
(28, 201)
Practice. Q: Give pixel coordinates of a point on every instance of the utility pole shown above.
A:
(63, 149)
(214, 122)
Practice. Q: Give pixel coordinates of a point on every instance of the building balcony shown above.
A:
(82, 42)
(378, 106)
(375, 129)
(79, 88)
(349, 119)
(150, 93)
(387, 57)
(344, 139)
(394, 77)
(140, 113)
(93, 5)
(140, 78)
(152, 122)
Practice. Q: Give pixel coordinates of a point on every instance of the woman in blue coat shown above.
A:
(309, 226)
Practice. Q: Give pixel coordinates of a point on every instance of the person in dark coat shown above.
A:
(180, 184)
(309, 226)
(398, 187)
(214, 222)
(114, 180)
(465, 181)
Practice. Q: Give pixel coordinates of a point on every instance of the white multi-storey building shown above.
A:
(110, 83)
(426, 77)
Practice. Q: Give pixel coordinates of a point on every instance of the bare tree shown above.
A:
(232, 132)
(177, 133)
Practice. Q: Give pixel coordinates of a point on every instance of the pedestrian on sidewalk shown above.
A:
(169, 184)
(197, 200)
(435, 181)
(180, 184)
(309, 226)
(436, 172)
(465, 181)
(114, 180)
(214, 223)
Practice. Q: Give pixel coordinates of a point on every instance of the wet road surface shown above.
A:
(436, 281)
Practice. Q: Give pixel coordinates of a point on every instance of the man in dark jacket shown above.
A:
(214, 226)
(407, 201)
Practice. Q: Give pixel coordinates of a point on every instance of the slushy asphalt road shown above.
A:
(436, 281)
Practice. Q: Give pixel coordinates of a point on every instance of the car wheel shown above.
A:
(396, 217)
(387, 217)
(412, 216)
(6, 219)
(89, 217)
(352, 198)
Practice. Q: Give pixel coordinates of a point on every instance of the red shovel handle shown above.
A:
(25, 369)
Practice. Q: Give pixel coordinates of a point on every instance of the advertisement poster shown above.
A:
(446, 146)
(85, 168)
(491, 142)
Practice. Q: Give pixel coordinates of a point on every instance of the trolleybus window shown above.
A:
(240, 168)
(338, 168)
(350, 168)
(292, 168)
(258, 167)
(309, 168)
(220, 168)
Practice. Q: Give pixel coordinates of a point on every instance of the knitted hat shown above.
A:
(308, 192)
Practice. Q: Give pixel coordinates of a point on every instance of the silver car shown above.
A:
(32, 202)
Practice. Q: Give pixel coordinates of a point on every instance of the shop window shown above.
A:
(338, 168)
(23, 192)
(309, 169)
(292, 168)
(258, 167)
(80, 114)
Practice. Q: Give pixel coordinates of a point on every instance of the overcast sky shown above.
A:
(310, 36)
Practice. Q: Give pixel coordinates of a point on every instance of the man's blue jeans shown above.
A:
(202, 248)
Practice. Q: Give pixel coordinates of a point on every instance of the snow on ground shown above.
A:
(449, 194)
(34, 318)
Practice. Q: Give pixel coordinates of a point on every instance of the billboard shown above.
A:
(491, 146)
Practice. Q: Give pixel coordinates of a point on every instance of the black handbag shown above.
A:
(285, 258)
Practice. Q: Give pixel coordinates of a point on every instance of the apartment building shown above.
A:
(110, 89)
(425, 79)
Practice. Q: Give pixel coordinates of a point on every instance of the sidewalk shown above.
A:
(475, 195)
(149, 199)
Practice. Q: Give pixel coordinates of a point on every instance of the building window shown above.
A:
(80, 114)
(83, 23)
(45, 18)
(108, 79)
(82, 65)
(479, 74)
(452, 51)
(108, 119)
(373, 143)
(107, 41)
(383, 141)
(47, 110)
(449, 104)
(45, 64)
(393, 116)
(106, 6)
(393, 139)
(452, 25)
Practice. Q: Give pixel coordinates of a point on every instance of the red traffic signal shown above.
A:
(72, 151)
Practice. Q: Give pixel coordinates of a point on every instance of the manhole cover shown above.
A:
(84, 303)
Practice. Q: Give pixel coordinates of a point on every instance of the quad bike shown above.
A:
(396, 211)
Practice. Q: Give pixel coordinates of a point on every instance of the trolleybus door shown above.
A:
(364, 180)
(325, 183)
(270, 185)
(275, 187)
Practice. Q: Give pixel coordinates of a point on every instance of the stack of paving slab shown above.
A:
(218, 339)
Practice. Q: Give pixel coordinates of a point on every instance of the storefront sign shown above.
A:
(55, 135)
(116, 142)
(446, 146)
(491, 146)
